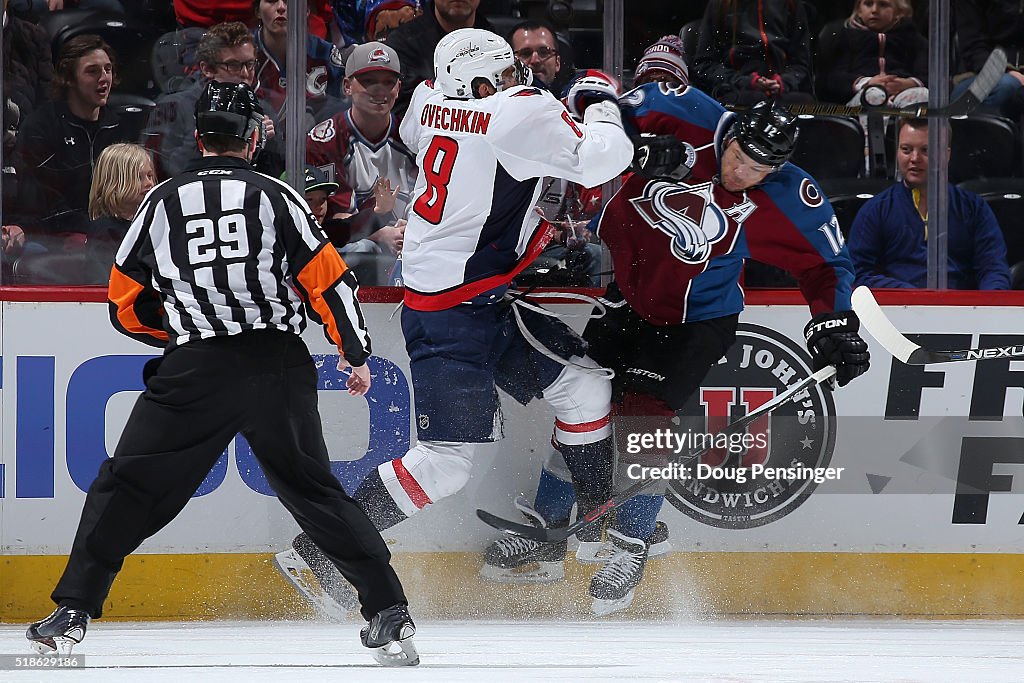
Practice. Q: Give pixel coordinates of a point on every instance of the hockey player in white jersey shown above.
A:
(483, 141)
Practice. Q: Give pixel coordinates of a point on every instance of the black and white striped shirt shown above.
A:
(221, 249)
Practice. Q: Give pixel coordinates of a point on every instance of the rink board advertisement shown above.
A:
(907, 481)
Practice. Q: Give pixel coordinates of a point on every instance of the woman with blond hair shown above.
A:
(123, 175)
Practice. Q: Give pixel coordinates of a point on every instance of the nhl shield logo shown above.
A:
(759, 366)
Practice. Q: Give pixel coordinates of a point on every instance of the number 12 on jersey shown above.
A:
(438, 163)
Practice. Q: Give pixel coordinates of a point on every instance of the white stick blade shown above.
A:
(879, 325)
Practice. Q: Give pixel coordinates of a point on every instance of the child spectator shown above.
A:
(123, 175)
(877, 58)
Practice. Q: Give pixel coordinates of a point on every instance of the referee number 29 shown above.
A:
(437, 171)
(226, 238)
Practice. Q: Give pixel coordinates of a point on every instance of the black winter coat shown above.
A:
(856, 53)
(54, 158)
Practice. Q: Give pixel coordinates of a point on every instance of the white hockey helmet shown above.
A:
(467, 54)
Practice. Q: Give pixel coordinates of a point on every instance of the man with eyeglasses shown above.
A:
(536, 46)
(415, 41)
(226, 53)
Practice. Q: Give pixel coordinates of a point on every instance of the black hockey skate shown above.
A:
(59, 632)
(514, 559)
(614, 584)
(389, 634)
(311, 573)
(593, 548)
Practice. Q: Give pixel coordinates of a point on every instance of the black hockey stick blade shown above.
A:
(983, 84)
(898, 346)
(543, 535)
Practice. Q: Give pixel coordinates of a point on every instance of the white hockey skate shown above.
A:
(614, 584)
(514, 559)
(593, 550)
(336, 601)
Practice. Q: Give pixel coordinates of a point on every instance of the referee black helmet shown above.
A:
(229, 109)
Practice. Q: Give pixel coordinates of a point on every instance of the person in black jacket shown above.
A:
(875, 57)
(59, 142)
(415, 41)
(754, 50)
(982, 25)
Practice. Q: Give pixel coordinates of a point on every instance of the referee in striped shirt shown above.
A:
(220, 268)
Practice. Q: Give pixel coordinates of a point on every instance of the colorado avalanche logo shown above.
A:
(378, 56)
(685, 213)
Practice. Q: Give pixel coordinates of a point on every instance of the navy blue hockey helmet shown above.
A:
(228, 109)
(767, 132)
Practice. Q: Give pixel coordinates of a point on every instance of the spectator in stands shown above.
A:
(982, 25)
(361, 150)
(878, 57)
(751, 50)
(415, 41)
(536, 46)
(60, 141)
(889, 237)
(123, 175)
(226, 53)
(324, 66)
(663, 61)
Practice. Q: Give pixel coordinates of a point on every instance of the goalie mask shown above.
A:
(230, 109)
(468, 54)
(767, 133)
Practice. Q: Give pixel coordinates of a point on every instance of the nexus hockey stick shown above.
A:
(898, 346)
(561, 533)
(983, 84)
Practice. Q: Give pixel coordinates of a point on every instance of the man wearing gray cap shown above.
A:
(360, 150)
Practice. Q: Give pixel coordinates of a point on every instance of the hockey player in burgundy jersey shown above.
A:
(678, 250)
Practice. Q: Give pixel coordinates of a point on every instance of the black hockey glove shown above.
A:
(832, 339)
(660, 156)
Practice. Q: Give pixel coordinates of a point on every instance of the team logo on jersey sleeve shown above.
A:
(687, 214)
(810, 195)
(801, 434)
(323, 131)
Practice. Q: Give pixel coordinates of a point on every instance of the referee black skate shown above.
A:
(220, 268)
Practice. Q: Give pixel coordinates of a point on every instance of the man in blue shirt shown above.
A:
(889, 237)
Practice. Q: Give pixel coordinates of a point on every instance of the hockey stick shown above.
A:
(561, 533)
(898, 346)
(984, 82)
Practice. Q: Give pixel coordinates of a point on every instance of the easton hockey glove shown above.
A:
(661, 156)
(832, 339)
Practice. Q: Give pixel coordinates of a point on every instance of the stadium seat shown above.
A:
(830, 147)
(983, 146)
(134, 111)
(1005, 196)
(53, 268)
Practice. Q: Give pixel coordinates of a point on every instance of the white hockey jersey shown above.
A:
(472, 226)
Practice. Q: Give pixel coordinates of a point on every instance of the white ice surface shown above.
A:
(720, 651)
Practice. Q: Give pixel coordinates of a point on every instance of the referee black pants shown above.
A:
(263, 385)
